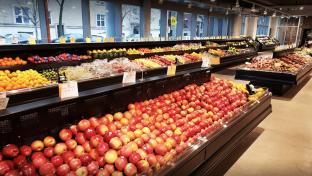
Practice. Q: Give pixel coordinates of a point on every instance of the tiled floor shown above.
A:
(282, 144)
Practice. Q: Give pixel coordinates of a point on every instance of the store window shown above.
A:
(155, 23)
(49, 17)
(200, 26)
(287, 30)
(130, 20)
(100, 19)
(187, 25)
(19, 21)
(243, 27)
(66, 20)
(172, 25)
(263, 25)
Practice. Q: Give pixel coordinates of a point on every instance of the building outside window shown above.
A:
(130, 20)
(155, 23)
(200, 26)
(187, 25)
(100, 20)
(172, 25)
(263, 25)
(243, 27)
(21, 15)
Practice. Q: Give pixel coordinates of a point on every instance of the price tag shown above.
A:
(112, 39)
(98, 40)
(206, 62)
(215, 61)
(171, 71)
(129, 77)
(106, 39)
(72, 40)
(68, 90)
(88, 40)
(62, 40)
(3, 101)
(2, 41)
(31, 41)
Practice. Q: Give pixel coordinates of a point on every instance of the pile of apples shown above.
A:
(144, 139)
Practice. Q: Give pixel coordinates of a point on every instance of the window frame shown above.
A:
(21, 14)
(104, 20)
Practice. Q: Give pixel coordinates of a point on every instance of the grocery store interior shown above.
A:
(155, 87)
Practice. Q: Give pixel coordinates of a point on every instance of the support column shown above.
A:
(273, 25)
(146, 18)
(205, 25)
(163, 23)
(237, 25)
(43, 20)
(251, 23)
(114, 19)
(85, 10)
(180, 21)
(193, 25)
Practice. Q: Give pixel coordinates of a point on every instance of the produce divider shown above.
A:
(267, 43)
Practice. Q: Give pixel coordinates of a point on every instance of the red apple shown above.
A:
(134, 158)
(57, 161)
(82, 171)
(96, 140)
(93, 168)
(142, 166)
(110, 168)
(110, 156)
(12, 173)
(94, 122)
(101, 161)
(133, 145)
(115, 143)
(74, 164)
(110, 117)
(125, 151)
(47, 169)
(109, 135)
(89, 132)
(101, 129)
(60, 148)
(125, 139)
(102, 148)
(65, 134)
(19, 160)
(11, 164)
(147, 148)
(84, 124)
(37, 162)
(161, 149)
(25, 150)
(26, 170)
(117, 173)
(87, 146)
(10, 151)
(85, 159)
(118, 116)
(48, 152)
(36, 155)
(74, 129)
(93, 153)
(130, 169)
(152, 160)
(63, 170)
(121, 163)
(71, 144)
(49, 141)
(102, 172)
(78, 151)
(80, 138)
(139, 142)
(67, 156)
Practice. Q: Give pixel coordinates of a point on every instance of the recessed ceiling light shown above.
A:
(237, 4)
(160, 1)
(301, 8)
(212, 0)
(210, 9)
(189, 5)
(227, 12)
(274, 14)
(253, 8)
(265, 12)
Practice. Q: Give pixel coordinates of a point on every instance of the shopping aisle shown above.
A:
(282, 144)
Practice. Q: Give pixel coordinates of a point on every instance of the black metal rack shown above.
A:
(263, 47)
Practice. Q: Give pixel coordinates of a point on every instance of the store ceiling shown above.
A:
(286, 7)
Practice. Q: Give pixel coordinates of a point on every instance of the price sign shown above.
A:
(88, 40)
(98, 40)
(129, 77)
(68, 90)
(3, 101)
(171, 71)
(106, 39)
(112, 39)
(173, 21)
(215, 61)
(62, 40)
(2, 41)
(206, 62)
(72, 40)
(31, 41)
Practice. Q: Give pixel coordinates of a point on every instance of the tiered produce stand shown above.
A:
(267, 43)
(34, 113)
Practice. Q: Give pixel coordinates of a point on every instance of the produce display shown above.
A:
(266, 41)
(50, 75)
(102, 54)
(149, 136)
(21, 79)
(8, 61)
(62, 57)
(290, 63)
(236, 44)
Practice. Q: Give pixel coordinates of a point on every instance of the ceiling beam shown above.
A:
(266, 7)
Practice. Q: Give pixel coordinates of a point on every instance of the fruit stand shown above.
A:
(273, 75)
(174, 125)
(267, 43)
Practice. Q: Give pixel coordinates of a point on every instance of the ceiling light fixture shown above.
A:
(227, 12)
(237, 4)
(160, 1)
(253, 8)
(189, 5)
(265, 12)
(301, 8)
(274, 14)
(210, 9)
(212, 0)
